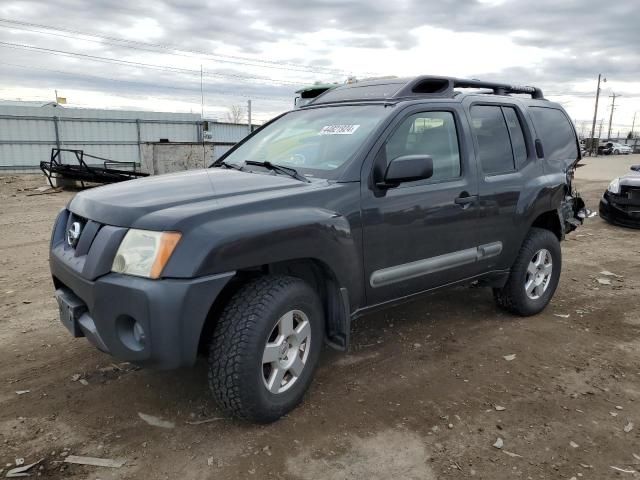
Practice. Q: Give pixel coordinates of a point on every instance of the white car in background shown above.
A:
(619, 148)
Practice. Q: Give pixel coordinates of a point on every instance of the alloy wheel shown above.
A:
(539, 273)
(286, 351)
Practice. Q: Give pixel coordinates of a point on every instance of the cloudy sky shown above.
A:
(148, 54)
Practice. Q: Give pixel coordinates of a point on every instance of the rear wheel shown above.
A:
(265, 348)
(534, 275)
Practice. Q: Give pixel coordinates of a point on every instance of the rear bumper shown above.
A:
(619, 214)
(170, 312)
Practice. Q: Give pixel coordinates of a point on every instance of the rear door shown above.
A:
(506, 161)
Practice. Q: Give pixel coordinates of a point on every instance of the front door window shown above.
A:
(428, 133)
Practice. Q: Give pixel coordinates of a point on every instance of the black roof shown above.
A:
(391, 89)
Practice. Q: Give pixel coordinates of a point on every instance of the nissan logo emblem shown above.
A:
(73, 234)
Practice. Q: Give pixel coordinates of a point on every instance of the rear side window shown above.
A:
(492, 135)
(556, 133)
(517, 137)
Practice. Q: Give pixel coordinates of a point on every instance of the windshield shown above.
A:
(316, 142)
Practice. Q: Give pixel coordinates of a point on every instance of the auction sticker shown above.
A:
(338, 129)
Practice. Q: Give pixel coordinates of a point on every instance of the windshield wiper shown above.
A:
(292, 172)
(230, 165)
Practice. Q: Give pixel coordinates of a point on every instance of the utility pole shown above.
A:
(249, 115)
(600, 131)
(584, 125)
(595, 116)
(201, 95)
(204, 150)
(613, 105)
(633, 124)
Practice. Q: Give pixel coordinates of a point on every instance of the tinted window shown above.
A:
(428, 133)
(556, 134)
(517, 137)
(494, 146)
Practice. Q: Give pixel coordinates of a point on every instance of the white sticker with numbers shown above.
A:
(338, 129)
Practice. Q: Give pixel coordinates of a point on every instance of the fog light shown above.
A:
(131, 333)
(138, 333)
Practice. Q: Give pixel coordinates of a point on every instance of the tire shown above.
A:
(616, 152)
(514, 296)
(254, 316)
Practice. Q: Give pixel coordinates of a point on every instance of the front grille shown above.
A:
(88, 229)
(92, 255)
(629, 196)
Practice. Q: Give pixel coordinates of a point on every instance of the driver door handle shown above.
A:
(465, 199)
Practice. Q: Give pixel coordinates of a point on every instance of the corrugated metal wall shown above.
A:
(219, 150)
(28, 133)
(227, 132)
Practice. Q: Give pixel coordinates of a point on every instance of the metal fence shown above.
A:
(27, 134)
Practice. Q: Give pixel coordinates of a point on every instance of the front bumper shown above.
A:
(171, 312)
(617, 213)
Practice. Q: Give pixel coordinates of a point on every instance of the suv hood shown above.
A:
(125, 203)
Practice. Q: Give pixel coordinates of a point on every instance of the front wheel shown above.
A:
(265, 348)
(534, 275)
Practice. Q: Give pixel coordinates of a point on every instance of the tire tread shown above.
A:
(231, 341)
(511, 297)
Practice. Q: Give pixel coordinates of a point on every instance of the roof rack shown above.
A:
(424, 85)
(444, 86)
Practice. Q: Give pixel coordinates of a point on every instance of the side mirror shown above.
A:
(635, 168)
(407, 168)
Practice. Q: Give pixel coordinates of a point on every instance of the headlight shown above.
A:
(614, 186)
(144, 253)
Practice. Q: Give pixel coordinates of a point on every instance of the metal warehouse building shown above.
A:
(29, 131)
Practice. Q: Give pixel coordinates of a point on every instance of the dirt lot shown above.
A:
(419, 397)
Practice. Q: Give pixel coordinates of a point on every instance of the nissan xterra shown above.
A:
(368, 196)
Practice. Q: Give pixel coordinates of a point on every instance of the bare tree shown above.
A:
(235, 114)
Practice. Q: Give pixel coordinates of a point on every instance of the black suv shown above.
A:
(373, 193)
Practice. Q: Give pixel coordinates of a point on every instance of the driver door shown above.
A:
(419, 235)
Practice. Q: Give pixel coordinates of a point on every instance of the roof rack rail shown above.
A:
(499, 88)
(417, 87)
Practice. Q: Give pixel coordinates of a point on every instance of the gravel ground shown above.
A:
(424, 394)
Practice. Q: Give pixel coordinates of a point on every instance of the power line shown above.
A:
(145, 65)
(172, 50)
(262, 117)
(583, 94)
(272, 98)
(152, 50)
(569, 94)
